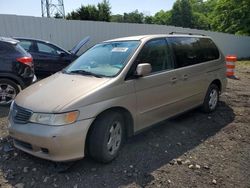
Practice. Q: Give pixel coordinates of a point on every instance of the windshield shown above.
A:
(105, 59)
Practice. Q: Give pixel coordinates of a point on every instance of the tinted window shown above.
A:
(191, 51)
(44, 48)
(5, 48)
(209, 50)
(8, 49)
(27, 45)
(186, 50)
(157, 54)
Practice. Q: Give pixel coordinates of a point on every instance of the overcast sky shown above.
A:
(33, 7)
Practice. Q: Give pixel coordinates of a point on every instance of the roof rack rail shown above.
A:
(174, 32)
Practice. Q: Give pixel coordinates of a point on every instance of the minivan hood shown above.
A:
(53, 93)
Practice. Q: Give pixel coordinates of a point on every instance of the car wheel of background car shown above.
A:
(211, 99)
(8, 91)
(106, 137)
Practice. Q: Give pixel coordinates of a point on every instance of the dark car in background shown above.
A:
(48, 57)
(16, 69)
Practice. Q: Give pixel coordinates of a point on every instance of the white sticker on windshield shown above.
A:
(119, 49)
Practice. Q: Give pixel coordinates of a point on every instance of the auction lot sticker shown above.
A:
(119, 49)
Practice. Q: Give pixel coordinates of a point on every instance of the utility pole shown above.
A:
(50, 8)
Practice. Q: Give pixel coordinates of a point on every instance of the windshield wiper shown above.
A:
(83, 72)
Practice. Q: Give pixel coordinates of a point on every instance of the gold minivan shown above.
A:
(113, 91)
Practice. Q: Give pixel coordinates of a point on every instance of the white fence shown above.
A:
(67, 33)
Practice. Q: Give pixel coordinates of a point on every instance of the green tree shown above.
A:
(202, 11)
(201, 21)
(148, 19)
(104, 10)
(133, 17)
(208, 7)
(182, 14)
(198, 6)
(73, 16)
(116, 18)
(90, 12)
(232, 16)
(162, 17)
(58, 15)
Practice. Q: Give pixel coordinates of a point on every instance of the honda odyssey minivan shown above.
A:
(115, 90)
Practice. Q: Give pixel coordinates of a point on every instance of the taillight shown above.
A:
(26, 60)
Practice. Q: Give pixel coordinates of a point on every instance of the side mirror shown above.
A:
(143, 69)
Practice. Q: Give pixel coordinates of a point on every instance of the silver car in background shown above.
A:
(115, 90)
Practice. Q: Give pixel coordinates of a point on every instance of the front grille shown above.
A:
(20, 115)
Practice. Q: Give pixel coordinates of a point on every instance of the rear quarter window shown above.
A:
(193, 50)
(209, 50)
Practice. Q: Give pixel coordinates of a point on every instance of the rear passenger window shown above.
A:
(186, 50)
(156, 53)
(209, 50)
(191, 50)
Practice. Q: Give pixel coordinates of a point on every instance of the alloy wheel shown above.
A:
(7, 93)
(213, 99)
(115, 137)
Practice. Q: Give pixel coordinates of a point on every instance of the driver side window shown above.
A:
(156, 53)
(44, 48)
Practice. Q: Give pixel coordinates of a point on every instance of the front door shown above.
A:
(157, 93)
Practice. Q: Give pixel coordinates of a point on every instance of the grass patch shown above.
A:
(243, 63)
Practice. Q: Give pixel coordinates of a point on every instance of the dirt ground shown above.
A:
(192, 150)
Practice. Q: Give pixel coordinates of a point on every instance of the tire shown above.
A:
(211, 99)
(106, 137)
(8, 91)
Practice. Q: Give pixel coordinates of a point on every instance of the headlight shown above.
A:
(55, 119)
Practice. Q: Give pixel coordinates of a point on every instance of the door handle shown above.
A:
(185, 77)
(173, 80)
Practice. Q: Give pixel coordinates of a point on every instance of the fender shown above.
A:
(13, 77)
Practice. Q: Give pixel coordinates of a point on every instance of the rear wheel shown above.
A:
(106, 137)
(8, 91)
(211, 100)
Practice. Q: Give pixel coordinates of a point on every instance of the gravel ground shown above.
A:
(192, 150)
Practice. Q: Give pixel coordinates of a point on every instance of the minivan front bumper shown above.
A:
(55, 143)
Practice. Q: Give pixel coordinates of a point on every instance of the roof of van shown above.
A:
(148, 37)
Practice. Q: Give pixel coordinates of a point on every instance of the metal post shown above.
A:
(50, 8)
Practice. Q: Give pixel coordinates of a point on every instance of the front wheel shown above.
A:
(211, 99)
(8, 91)
(106, 137)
